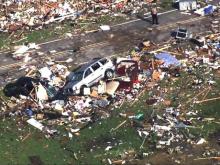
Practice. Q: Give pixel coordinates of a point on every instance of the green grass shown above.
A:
(166, 4)
(97, 137)
(14, 151)
(51, 151)
(209, 110)
(32, 36)
(4, 42)
(2, 94)
(55, 31)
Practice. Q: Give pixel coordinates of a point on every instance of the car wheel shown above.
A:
(68, 91)
(109, 74)
(82, 89)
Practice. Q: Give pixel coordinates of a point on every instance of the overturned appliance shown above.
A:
(182, 33)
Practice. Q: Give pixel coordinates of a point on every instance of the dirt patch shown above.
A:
(161, 158)
(35, 160)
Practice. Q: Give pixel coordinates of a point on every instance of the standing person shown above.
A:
(154, 15)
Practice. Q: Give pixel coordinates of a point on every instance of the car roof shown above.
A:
(87, 65)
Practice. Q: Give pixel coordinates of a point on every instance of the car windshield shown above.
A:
(77, 76)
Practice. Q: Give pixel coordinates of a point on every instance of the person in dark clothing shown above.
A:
(154, 15)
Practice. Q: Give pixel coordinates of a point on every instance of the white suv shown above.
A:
(89, 74)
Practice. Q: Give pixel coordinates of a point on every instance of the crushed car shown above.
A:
(89, 74)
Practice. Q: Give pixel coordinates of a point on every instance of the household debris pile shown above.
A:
(15, 15)
(34, 14)
(43, 92)
(30, 15)
(173, 95)
(41, 100)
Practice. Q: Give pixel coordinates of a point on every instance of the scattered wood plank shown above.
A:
(10, 35)
(175, 53)
(122, 103)
(206, 93)
(20, 40)
(30, 72)
(142, 145)
(117, 162)
(197, 95)
(152, 61)
(207, 100)
(27, 136)
(161, 49)
(136, 99)
(215, 158)
(118, 126)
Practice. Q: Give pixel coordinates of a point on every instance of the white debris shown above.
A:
(201, 141)
(70, 135)
(41, 93)
(68, 35)
(21, 50)
(105, 27)
(35, 123)
(45, 73)
(108, 148)
(69, 60)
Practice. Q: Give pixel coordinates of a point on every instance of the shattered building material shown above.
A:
(111, 87)
(168, 114)
(187, 5)
(167, 59)
(34, 15)
(35, 123)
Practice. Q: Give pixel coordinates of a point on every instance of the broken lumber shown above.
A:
(215, 158)
(161, 49)
(136, 99)
(118, 126)
(206, 93)
(27, 136)
(197, 95)
(212, 99)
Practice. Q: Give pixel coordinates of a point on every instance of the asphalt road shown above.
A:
(120, 38)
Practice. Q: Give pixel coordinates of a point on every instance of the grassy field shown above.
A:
(89, 147)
